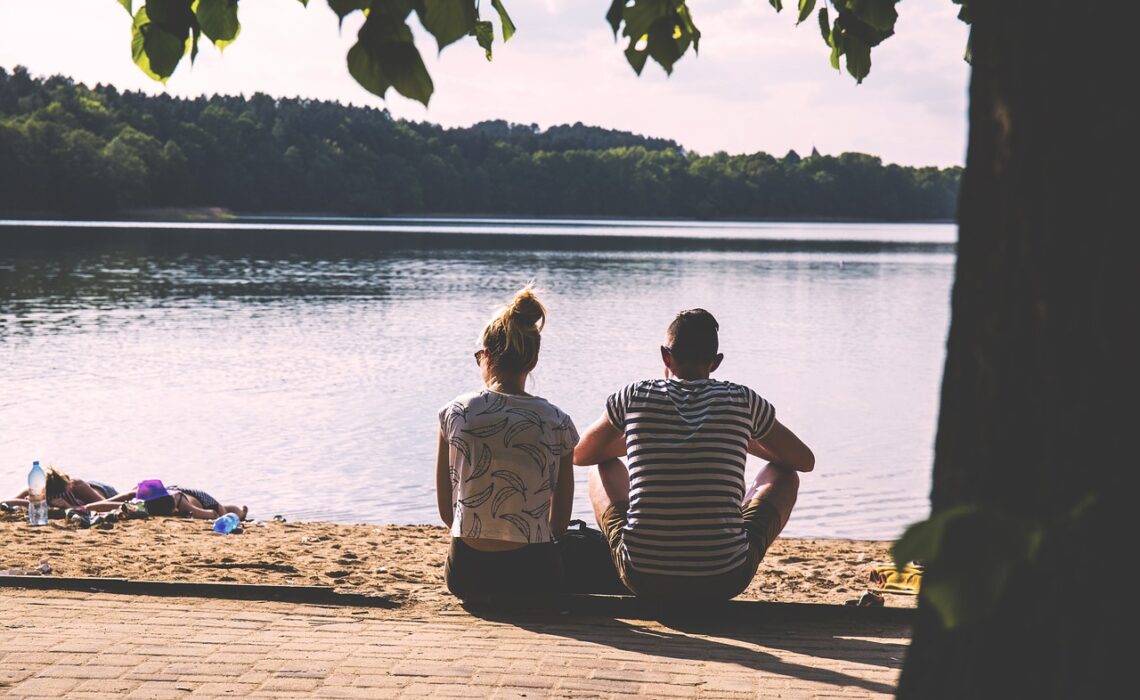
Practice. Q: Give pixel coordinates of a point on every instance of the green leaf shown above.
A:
(127, 6)
(343, 8)
(835, 40)
(964, 14)
(195, 35)
(806, 7)
(853, 25)
(385, 56)
(825, 25)
(778, 4)
(154, 49)
(305, 2)
(970, 553)
(218, 20)
(614, 15)
(661, 29)
(447, 20)
(175, 16)
(484, 34)
(880, 14)
(858, 58)
(661, 45)
(504, 19)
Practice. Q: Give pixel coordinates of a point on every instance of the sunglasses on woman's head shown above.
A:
(479, 356)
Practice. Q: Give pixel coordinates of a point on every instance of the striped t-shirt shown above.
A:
(686, 445)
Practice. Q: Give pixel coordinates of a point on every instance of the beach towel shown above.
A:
(890, 579)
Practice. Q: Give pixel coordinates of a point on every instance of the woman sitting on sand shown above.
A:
(176, 500)
(66, 492)
(504, 477)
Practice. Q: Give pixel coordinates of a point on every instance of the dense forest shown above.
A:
(67, 148)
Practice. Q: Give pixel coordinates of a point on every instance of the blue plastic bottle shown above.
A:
(227, 523)
(37, 495)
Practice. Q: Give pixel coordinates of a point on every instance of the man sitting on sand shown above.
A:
(678, 520)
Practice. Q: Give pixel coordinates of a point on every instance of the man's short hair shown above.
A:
(692, 337)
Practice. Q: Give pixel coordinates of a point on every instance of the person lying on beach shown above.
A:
(678, 520)
(175, 500)
(64, 491)
(504, 477)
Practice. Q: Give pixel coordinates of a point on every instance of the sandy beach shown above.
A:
(402, 562)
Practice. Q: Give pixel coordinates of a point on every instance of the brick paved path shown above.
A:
(80, 645)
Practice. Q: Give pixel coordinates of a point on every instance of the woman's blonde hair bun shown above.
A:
(527, 308)
(512, 337)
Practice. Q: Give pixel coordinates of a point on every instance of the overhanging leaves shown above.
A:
(970, 552)
(504, 19)
(218, 20)
(448, 20)
(880, 14)
(484, 35)
(385, 56)
(806, 7)
(659, 29)
(158, 46)
(344, 7)
(858, 58)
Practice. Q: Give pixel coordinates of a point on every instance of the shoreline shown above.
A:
(401, 562)
(208, 214)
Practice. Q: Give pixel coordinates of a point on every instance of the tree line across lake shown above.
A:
(71, 149)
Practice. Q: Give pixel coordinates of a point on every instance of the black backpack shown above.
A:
(586, 561)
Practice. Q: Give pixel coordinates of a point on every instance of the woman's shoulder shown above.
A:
(538, 404)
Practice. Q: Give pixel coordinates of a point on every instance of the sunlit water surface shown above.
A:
(303, 379)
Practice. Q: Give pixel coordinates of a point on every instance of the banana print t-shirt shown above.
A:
(505, 452)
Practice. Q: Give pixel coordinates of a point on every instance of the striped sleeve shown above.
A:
(616, 406)
(763, 415)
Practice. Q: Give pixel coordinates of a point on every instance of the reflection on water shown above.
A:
(301, 375)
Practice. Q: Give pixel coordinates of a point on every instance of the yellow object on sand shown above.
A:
(890, 579)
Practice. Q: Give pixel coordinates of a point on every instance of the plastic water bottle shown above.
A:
(227, 523)
(37, 495)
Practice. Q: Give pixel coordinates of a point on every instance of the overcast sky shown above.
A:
(758, 84)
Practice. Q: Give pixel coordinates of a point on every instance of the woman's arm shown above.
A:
(782, 448)
(562, 500)
(111, 503)
(600, 442)
(443, 496)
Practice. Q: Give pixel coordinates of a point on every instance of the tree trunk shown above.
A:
(1039, 400)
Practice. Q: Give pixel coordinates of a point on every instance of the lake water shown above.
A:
(296, 364)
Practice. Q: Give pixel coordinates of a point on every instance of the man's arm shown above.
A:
(782, 448)
(600, 442)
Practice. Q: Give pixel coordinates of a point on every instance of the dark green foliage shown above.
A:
(65, 147)
(385, 56)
